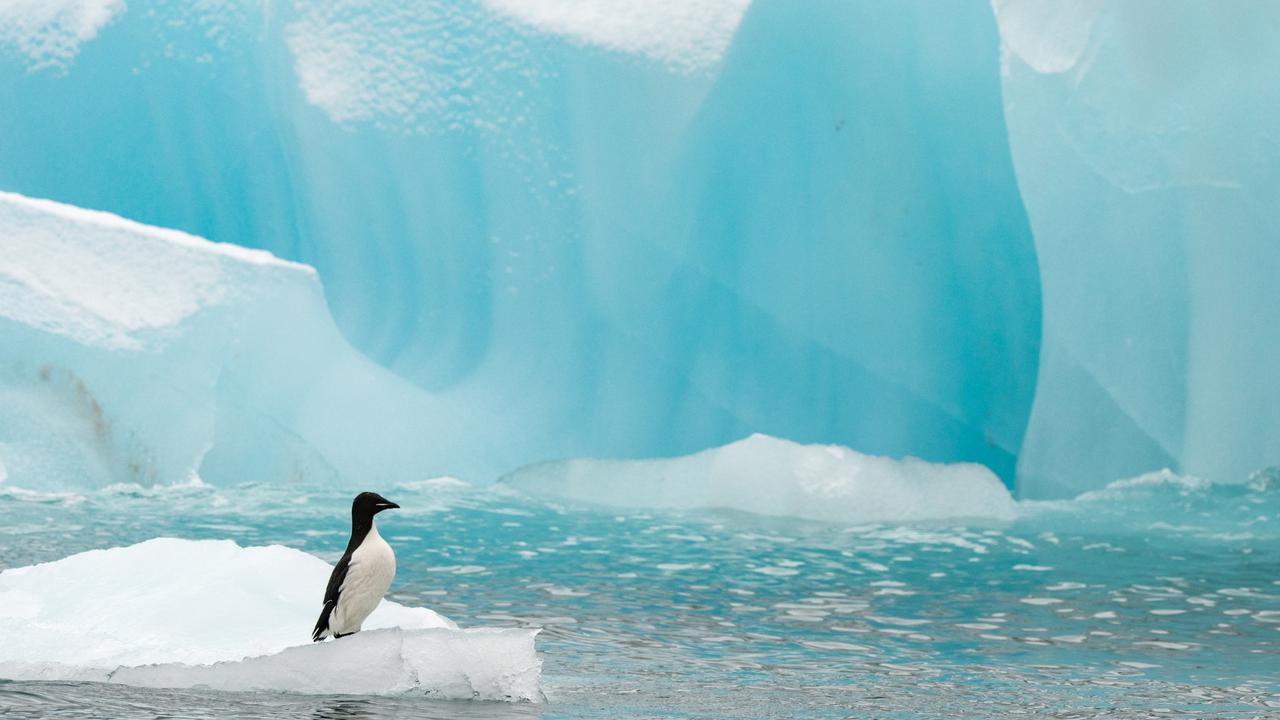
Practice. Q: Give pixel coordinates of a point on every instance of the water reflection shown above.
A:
(344, 710)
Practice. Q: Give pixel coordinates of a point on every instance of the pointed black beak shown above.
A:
(386, 505)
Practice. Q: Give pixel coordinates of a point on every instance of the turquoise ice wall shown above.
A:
(642, 229)
(813, 231)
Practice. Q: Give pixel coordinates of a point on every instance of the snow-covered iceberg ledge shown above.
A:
(136, 354)
(185, 613)
(771, 476)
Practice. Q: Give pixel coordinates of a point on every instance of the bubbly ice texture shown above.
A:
(185, 613)
(769, 476)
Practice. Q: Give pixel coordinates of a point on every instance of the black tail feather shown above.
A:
(322, 624)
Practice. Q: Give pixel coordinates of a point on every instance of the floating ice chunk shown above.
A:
(171, 600)
(183, 613)
(770, 476)
(482, 663)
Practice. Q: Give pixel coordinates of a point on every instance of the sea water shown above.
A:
(1157, 597)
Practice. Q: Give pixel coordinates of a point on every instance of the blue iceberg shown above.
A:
(1012, 233)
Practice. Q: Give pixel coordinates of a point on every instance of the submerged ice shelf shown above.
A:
(185, 613)
(770, 476)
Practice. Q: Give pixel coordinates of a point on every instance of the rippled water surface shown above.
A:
(1159, 599)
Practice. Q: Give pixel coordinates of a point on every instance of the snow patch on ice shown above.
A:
(421, 64)
(182, 613)
(49, 33)
(171, 600)
(772, 476)
(406, 64)
(689, 34)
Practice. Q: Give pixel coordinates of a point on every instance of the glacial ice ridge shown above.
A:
(184, 613)
(134, 354)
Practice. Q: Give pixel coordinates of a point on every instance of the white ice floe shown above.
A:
(186, 613)
(771, 476)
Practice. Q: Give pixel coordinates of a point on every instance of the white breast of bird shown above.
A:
(369, 575)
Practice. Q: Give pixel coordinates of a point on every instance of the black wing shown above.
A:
(331, 596)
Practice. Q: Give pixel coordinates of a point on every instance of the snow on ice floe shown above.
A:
(772, 476)
(185, 613)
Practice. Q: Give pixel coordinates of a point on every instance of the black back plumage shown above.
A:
(363, 508)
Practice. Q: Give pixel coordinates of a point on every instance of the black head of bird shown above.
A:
(368, 504)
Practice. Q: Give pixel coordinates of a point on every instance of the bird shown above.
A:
(362, 575)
